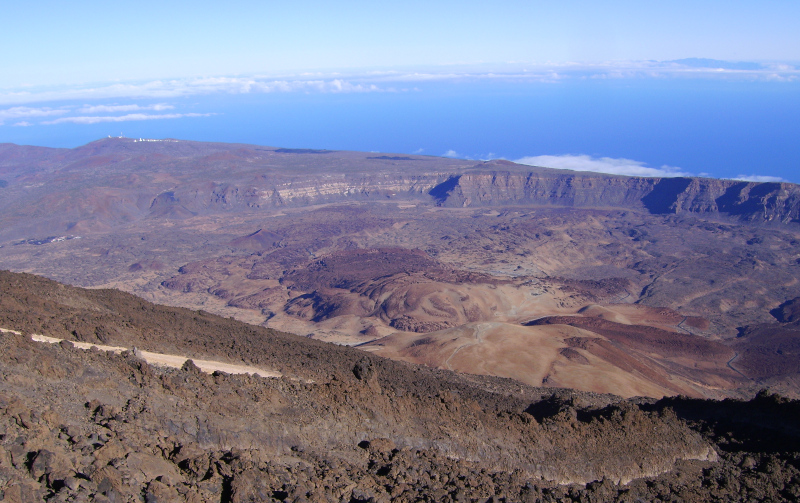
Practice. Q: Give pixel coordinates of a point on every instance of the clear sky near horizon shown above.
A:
(650, 88)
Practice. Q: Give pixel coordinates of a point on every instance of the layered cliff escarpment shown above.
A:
(78, 424)
(117, 180)
(750, 201)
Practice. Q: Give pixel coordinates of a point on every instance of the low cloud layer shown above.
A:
(377, 81)
(14, 113)
(608, 165)
(760, 178)
(185, 87)
(621, 166)
(120, 118)
(99, 109)
(88, 114)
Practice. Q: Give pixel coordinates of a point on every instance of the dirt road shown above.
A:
(164, 360)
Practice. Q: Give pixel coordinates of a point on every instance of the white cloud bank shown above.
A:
(608, 165)
(120, 118)
(184, 87)
(97, 109)
(22, 112)
(372, 81)
(760, 178)
(28, 112)
(621, 166)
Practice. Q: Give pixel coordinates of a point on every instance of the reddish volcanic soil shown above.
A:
(669, 279)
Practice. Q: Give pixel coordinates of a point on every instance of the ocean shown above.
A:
(712, 127)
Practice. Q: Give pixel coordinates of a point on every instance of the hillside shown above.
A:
(652, 286)
(341, 425)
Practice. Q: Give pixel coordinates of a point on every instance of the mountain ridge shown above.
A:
(359, 176)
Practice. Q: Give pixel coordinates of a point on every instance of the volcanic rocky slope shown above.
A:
(641, 286)
(86, 425)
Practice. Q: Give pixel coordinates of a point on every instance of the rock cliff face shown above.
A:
(120, 180)
(484, 185)
(757, 202)
(298, 190)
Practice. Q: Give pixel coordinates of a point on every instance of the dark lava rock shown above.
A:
(81, 425)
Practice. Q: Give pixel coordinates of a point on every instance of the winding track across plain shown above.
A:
(479, 330)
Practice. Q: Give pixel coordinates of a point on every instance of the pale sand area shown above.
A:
(164, 360)
(537, 355)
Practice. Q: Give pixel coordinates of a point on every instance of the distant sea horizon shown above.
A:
(701, 127)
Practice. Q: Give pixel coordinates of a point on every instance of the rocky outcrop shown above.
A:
(542, 187)
(338, 398)
(87, 425)
(757, 202)
(115, 181)
(481, 186)
(294, 191)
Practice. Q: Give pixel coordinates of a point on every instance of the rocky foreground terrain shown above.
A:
(340, 424)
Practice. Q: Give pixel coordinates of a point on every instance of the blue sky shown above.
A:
(56, 42)
(72, 71)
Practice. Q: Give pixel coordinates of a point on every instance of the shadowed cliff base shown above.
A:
(664, 196)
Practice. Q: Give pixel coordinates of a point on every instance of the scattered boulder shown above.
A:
(788, 312)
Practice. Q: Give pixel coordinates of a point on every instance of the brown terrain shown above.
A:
(340, 424)
(633, 286)
(417, 329)
(624, 285)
